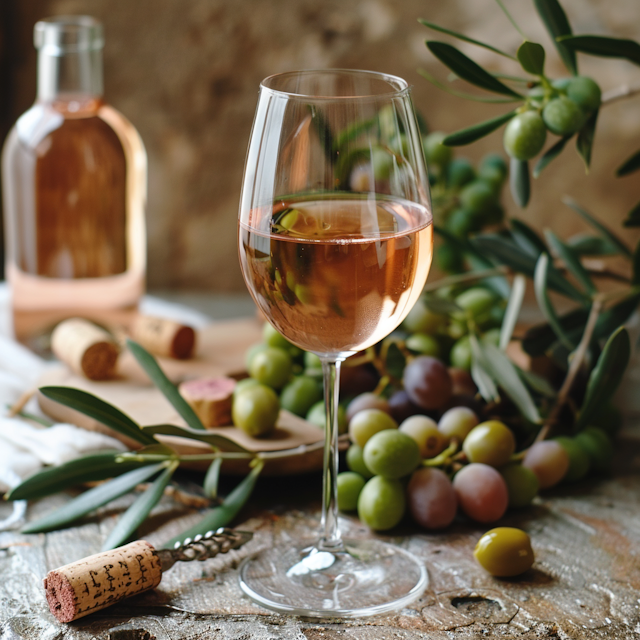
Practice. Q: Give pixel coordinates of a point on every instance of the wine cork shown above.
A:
(96, 582)
(86, 348)
(164, 337)
(211, 399)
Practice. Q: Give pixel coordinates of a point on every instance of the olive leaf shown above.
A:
(506, 251)
(503, 371)
(618, 314)
(536, 383)
(520, 182)
(441, 306)
(604, 231)
(512, 311)
(89, 468)
(555, 20)
(584, 142)
(477, 131)
(467, 69)
(215, 440)
(527, 238)
(604, 46)
(99, 410)
(540, 284)
(531, 57)
(510, 17)
(92, 499)
(539, 338)
(630, 165)
(549, 155)
(605, 376)
(571, 261)
(137, 513)
(352, 132)
(587, 245)
(210, 484)
(633, 217)
(486, 386)
(461, 36)
(222, 515)
(168, 389)
(462, 94)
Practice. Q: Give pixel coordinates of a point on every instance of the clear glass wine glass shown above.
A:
(335, 244)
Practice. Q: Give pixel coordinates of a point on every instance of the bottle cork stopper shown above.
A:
(86, 348)
(211, 399)
(164, 337)
(96, 582)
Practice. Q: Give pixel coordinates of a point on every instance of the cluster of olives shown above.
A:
(446, 337)
(416, 466)
(465, 200)
(562, 106)
(280, 376)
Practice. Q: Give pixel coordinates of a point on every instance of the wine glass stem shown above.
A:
(330, 540)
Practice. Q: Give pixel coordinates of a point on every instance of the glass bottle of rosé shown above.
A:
(74, 174)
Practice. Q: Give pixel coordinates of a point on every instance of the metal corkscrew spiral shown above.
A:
(203, 547)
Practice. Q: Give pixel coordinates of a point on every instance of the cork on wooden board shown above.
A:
(86, 348)
(163, 337)
(96, 582)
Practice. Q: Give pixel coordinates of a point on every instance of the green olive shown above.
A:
(562, 116)
(490, 442)
(524, 135)
(522, 484)
(475, 301)
(300, 395)
(435, 152)
(585, 92)
(349, 486)
(505, 552)
(381, 503)
(579, 462)
(255, 410)
(355, 461)
(461, 222)
(460, 354)
(460, 172)
(599, 448)
(391, 453)
(271, 366)
(367, 423)
(424, 344)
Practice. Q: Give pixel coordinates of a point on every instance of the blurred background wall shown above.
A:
(186, 73)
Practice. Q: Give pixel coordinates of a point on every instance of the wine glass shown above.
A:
(335, 244)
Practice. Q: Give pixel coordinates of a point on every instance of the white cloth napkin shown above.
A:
(25, 448)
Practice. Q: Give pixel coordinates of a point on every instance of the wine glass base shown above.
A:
(363, 578)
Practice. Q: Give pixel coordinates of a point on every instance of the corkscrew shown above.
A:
(203, 547)
(96, 582)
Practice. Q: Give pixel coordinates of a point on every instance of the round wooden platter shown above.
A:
(221, 350)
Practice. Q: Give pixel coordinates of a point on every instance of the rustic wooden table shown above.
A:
(585, 583)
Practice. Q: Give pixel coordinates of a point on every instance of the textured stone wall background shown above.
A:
(186, 72)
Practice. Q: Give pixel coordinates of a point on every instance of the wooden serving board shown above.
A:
(220, 351)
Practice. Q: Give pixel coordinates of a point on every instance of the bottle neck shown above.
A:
(72, 74)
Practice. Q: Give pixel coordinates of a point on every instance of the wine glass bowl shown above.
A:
(335, 244)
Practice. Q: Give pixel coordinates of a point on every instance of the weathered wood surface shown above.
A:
(585, 583)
